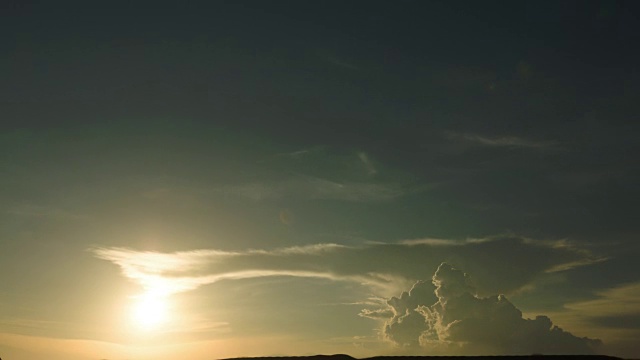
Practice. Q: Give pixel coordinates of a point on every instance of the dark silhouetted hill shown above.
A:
(501, 357)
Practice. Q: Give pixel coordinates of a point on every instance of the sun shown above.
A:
(149, 311)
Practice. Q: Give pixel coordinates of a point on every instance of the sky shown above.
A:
(255, 178)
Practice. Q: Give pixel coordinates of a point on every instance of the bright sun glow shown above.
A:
(149, 311)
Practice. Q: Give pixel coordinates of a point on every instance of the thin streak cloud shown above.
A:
(41, 211)
(500, 141)
(314, 188)
(369, 265)
(368, 164)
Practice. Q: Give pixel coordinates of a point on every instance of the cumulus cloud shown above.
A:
(401, 328)
(452, 318)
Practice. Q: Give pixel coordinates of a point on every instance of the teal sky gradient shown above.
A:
(284, 174)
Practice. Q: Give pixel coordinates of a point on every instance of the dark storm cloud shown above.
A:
(459, 321)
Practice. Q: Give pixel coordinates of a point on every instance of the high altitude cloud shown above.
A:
(458, 321)
(612, 315)
(502, 264)
(315, 188)
(40, 211)
(305, 177)
(500, 141)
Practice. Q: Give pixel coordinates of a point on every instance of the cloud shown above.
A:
(431, 314)
(376, 313)
(453, 319)
(40, 211)
(613, 310)
(165, 274)
(401, 328)
(623, 300)
(500, 141)
(298, 153)
(441, 242)
(319, 173)
(314, 249)
(503, 264)
(314, 188)
(341, 63)
(368, 164)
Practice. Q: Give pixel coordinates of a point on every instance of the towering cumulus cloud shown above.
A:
(458, 321)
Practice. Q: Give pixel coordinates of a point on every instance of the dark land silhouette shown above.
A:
(487, 357)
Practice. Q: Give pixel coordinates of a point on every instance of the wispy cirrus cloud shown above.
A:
(319, 173)
(176, 277)
(310, 187)
(500, 141)
(615, 309)
(367, 163)
(443, 242)
(385, 267)
(43, 211)
(342, 63)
